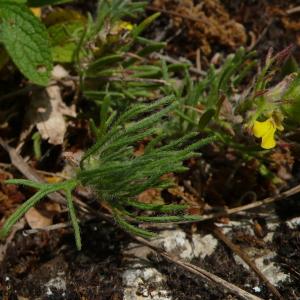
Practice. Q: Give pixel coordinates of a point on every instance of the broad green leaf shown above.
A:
(26, 41)
(38, 3)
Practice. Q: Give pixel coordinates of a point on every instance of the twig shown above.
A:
(260, 37)
(19, 163)
(269, 200)
(47, 228)
(198, 271)
(235, 248)
(293, 10)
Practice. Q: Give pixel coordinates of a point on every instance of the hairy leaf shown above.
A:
(26, 40)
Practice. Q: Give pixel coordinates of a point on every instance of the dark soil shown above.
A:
(46, 265)
(35, 260)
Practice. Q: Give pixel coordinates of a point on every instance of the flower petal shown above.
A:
(260, 129)
(268, 140)
(37, 11)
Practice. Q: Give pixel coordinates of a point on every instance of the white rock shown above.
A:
(204, 245)
(293, 223)
(270, 270)
(138, 278)
(175, 242)
(58, 283)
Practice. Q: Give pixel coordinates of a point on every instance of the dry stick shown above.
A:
(27, 171)
(19, 163)
(293, 10)
(283, 195)
(58, 197)
(260, 37)
(294, 190)
(198, 271)
(235, 248)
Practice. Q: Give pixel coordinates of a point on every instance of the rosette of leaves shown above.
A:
(118, 176)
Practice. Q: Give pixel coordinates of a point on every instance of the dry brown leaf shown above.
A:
(36, 219)
(47, 111)
(151, 196)
(42, 216)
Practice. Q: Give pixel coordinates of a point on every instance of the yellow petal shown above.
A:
(260, 129)
(268, 140)
(126, 25)
(36, 11)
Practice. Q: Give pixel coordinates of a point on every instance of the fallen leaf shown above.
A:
(36, 219)
(42, 215)
(47, 111)
(152, 196)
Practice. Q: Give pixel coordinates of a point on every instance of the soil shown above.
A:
(46, 265)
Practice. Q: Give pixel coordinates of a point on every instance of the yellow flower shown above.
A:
(126, 25)
(36, 11)
(266, 130)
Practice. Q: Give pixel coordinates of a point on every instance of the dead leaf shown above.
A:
(196, 205)
(42, 215)
(152, 196)
(47, 111)
(35, 219)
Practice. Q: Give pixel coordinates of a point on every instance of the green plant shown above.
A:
(26, 40)
(112, 170)
(200, 100)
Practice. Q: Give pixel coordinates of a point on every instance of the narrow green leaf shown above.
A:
(143, 25)
(73, 218)
(205, 118)
(26, 182)
(157, 207)
(20, 212)
(133, 229)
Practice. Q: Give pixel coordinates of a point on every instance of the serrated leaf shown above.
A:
(26, 40)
